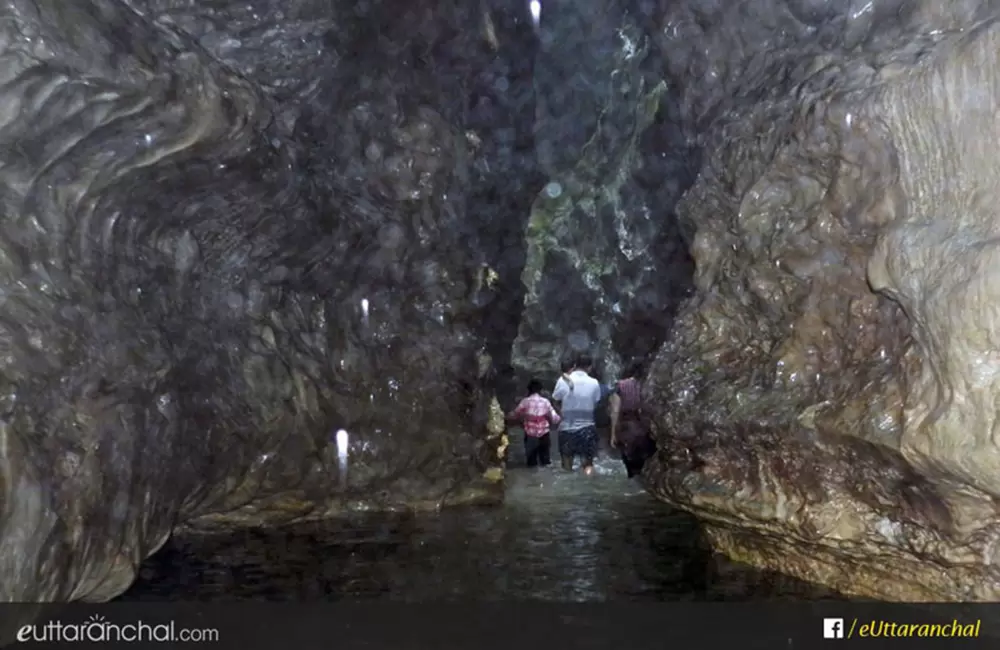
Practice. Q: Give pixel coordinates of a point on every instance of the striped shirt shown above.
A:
(629, 391)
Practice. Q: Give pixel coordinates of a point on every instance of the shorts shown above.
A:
(579, 442)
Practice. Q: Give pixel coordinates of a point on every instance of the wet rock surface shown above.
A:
(605, 265)
(826, 398)
(233, 229)
(236, 230)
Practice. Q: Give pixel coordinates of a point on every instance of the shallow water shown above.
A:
(559, 537)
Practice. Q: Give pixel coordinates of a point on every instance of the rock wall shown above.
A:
(605, 263)
(230, 230)
(827, 399)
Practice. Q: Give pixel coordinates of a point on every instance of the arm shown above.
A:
(554, 417)
(561, 391)
(518, 412)
(615, 403)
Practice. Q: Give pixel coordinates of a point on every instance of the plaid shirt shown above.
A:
(535, 413)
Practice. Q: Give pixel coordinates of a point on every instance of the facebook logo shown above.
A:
(833, 628)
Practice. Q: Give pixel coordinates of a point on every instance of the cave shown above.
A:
(301, 257)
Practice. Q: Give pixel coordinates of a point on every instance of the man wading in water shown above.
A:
(579, 394)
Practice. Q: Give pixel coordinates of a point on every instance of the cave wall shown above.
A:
(232, 229)
(826, 399)
(605, 264)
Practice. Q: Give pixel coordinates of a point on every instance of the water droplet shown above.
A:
(234, 301)
(164, 402)
(186, 252)
(342, 442)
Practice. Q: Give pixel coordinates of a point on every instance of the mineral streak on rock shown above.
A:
(828, 398)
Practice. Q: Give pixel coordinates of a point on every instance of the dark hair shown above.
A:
(534, 386)
(634, 370)
(584, 362)
(568, 363)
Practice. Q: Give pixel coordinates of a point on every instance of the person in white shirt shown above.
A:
(578, 394)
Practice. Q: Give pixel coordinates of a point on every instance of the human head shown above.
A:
(634, 369)
(534, 386)
(584, 362)
(568, 363)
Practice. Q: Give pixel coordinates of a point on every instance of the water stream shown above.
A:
(559, 537)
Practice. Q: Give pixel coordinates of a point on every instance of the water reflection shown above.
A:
(560, 537)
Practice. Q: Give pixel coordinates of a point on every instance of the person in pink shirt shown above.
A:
(536, 415)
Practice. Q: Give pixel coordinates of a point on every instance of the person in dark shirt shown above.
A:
(629, 426)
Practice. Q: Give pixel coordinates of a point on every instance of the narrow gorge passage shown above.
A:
(270, 270)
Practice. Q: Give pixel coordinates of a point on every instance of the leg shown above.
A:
(647, 449)
(544, 445)
(626, 447)
(588, 448)
(531, 450)
(566, 448)
(627, 463)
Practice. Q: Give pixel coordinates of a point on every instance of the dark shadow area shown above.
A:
(568, 305)
(666, 169)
